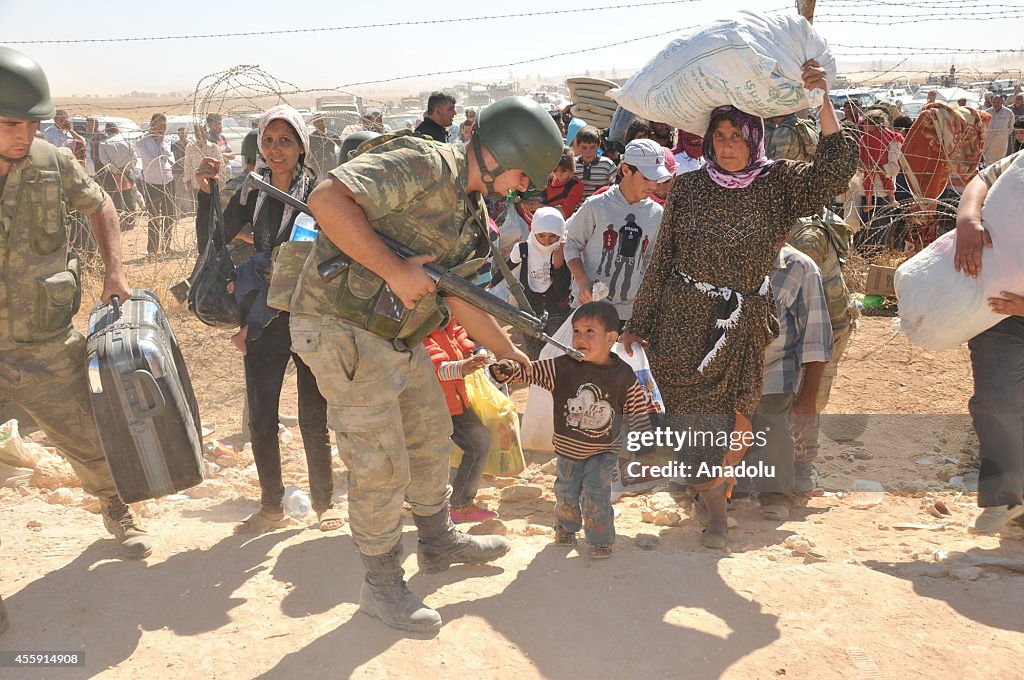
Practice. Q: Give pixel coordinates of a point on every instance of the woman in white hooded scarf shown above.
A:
(542, 271)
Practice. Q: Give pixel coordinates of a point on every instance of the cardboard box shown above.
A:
(880, 281)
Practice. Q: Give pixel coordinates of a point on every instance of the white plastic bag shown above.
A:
(750, 61)
(538, 426)
(622, 481)
(17, 452)
(941, 308)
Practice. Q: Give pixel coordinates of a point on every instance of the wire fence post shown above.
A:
(806, 9)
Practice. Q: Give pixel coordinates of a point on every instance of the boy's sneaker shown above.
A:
(471, 513)
(600, 552)
(994, 520)
(564, 538)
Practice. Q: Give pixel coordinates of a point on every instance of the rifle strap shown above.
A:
(513, 283)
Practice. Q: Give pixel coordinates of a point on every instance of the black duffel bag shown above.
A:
(208, 296)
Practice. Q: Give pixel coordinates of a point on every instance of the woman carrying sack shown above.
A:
(266, 342)
(705, 306)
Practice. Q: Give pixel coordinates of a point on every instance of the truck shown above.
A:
(345, 103)
(503, 89)
(412, 104)
(478, 96)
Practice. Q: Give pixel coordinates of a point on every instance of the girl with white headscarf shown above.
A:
(545, 277)
(266, 342)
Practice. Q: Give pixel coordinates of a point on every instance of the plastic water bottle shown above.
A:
(296, 501)
(866, 493)
(304, 228)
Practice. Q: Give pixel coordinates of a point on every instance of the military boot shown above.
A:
(385, 595)
(119, 521)
(442, 545)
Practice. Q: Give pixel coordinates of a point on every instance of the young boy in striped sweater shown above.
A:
(595, 401)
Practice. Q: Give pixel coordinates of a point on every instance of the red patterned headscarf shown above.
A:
(690, 143)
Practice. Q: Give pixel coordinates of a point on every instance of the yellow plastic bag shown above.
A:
(498, 414)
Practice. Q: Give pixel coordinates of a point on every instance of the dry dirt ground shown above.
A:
(851, 594)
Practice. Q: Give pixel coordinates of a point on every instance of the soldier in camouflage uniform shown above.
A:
(790, 137)
(825, 238)
(42, 357)
(361, 332)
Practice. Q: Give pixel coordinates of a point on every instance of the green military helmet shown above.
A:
(251, 145)
(352, 142)
(24, 92)
(520, 134)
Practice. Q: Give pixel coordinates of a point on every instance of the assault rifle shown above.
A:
(447, 284)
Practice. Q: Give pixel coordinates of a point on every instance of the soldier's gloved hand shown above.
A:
(410, 281)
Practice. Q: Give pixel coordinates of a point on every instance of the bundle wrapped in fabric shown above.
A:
(943, 140)
(590, 100)
(751, 61)
(941, 308)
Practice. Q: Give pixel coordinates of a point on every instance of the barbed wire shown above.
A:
(329, 29)
(294, 91)
(922, 4)
(901, 20)
(930, 50)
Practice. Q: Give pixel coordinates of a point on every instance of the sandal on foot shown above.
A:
(262, 521)
(564, 538)
(330, 520)
(716, 536)
(600, 552)
(775, 512)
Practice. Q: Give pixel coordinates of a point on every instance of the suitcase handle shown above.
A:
(147, 386)
(115, 302)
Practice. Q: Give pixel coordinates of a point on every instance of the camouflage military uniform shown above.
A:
(42, 367)
(385, 404)
(826, 241)
(792, 138)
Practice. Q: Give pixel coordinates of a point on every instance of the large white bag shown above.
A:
(538, 426)
(941, 308)
(750, 61)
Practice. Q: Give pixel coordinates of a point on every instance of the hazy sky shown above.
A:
(336, 58)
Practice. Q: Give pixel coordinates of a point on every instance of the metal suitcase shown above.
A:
(142, 399)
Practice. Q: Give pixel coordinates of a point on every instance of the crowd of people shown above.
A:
(715, 252)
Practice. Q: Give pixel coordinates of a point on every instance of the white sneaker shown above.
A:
(994, 520)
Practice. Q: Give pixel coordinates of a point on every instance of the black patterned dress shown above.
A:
(704, 304)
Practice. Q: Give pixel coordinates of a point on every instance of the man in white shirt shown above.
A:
(157, 161)
(59, 134)
(997, 139)
(117, 161)
(611, 237)
(198, 149)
